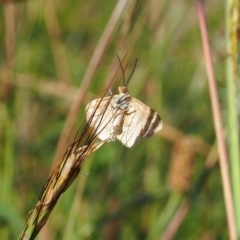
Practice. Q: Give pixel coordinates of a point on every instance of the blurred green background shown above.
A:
(171, 179)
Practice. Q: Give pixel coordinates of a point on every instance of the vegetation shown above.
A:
(56, 56)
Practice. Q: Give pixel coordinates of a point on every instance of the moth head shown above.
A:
(123, 89)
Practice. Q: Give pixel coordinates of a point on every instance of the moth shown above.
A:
(122, 117)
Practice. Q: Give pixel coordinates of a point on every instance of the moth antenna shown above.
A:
(120, 62)
(126, 82)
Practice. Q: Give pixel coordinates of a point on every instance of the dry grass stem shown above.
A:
(63, 176)
(61, 179)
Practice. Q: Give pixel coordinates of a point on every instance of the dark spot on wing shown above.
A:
(151, 124)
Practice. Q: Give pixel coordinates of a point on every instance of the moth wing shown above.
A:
(140, 121)
(99, 115)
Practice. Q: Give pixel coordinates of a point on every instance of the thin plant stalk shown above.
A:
(223, 160)
(62, 177)
(66, 170)
(232, 22)
(60, 180)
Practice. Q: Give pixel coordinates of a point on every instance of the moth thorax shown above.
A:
(122, 89)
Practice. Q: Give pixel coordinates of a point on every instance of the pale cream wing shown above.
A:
(99, 115)
(140, 121)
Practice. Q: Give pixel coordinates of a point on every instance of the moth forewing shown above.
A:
(98, 115)
(140, 121)
(106, 116)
